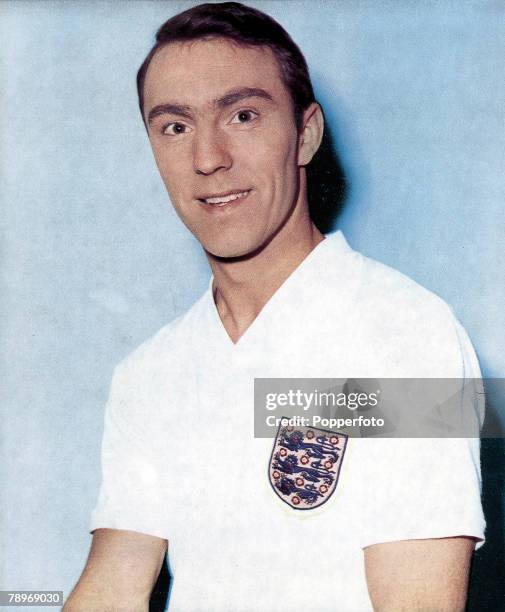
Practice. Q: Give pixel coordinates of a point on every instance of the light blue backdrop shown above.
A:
(95, 260)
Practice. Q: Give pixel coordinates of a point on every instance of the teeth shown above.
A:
(226, 199)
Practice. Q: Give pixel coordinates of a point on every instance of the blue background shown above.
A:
(95, 260)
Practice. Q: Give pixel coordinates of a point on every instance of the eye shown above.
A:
(244, 116)
(174, 128)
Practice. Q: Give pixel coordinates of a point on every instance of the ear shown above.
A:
(311, 134)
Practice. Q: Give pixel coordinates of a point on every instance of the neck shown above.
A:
(243, 286)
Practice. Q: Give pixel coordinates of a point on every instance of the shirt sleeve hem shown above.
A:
(454, 532)
(152, 530)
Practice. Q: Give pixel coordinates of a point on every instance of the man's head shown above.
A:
(230, 127)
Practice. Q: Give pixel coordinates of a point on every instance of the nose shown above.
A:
(210, 152)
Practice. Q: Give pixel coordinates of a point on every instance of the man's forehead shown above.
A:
(199, 72)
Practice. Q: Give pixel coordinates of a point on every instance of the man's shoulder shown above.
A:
(169, 344)
(404, 325)
(378, 286)
(389, 287)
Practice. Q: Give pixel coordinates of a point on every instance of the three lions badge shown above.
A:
(305, 465)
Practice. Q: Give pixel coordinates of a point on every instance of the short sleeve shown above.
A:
(421, 488)
(130, 492)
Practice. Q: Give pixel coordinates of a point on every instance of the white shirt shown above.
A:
(180, 460)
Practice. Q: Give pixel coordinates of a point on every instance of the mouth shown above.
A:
(222, 200)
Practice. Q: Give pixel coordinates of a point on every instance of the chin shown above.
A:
(232, 247)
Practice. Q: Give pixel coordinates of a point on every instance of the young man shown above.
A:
(231, 116)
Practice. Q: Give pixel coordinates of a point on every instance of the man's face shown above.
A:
(222, 130)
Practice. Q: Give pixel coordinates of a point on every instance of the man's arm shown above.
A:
(120, 573)
(419, 575)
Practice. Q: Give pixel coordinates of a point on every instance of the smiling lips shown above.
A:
(222, 200)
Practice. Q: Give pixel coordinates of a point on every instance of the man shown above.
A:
(232, 120)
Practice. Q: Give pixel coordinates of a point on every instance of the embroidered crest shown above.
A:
(305, 465)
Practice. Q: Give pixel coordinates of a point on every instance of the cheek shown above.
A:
(273, 156)
(283, 168)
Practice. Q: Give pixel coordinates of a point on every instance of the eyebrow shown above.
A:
(169, 109)
(227, 100)
(242, 94)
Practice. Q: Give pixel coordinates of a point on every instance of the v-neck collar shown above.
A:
(301, 269)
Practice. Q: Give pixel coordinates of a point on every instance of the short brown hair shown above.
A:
(246, 26)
